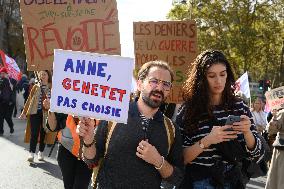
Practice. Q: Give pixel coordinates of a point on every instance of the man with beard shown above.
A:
(138, 153)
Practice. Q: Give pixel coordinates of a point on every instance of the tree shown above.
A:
(249, 32)
(11, 33)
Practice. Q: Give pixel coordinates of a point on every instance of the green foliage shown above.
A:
(11, 38)
(249, 32)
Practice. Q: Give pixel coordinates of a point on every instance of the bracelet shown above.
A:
(90, 162)
(162, 164)
(89, 145)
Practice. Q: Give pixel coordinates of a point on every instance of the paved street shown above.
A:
(17, 173)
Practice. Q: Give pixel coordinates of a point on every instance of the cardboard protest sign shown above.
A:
(275, 98)
(90, 26)
(172, 41)
(91, 85)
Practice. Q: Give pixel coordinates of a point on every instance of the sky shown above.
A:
(138, 10)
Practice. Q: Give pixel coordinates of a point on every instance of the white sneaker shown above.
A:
(31, 157)
(40, 156)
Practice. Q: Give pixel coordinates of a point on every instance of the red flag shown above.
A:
(11, 65)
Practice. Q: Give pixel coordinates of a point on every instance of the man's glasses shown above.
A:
(155, 82)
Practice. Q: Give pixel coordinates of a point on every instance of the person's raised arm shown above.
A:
(52, 121)
(244, 126)
(85, 129)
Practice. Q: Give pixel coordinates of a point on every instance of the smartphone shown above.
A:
(232, 119)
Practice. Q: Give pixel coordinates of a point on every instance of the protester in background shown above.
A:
(259, 116)
(21, 92)
(24, 86)
(20, 102)
(139, 154)
(212, 150)
(37, 115)
(275, 174)
(272, 132)
(7, 99)
(76, 174)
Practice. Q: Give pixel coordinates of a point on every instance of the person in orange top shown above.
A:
(75, 172)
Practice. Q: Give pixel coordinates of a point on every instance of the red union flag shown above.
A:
(11, 65)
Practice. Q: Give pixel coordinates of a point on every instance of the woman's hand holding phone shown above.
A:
(243, 125)
(220, 134)
(231, 120)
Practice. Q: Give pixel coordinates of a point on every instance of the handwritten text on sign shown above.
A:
(77, 25)
(275, 98)
(172, 41)
(89, 84)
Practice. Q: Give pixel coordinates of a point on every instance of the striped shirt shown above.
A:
(209, 156)
(47, 93)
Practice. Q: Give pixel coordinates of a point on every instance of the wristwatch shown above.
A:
(201, 145)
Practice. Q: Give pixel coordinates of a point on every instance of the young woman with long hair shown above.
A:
(213, 150)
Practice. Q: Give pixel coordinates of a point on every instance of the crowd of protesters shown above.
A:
(203, 151)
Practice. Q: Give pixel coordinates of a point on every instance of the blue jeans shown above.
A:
(205, 184)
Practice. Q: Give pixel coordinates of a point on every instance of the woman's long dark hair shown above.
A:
(196, 89)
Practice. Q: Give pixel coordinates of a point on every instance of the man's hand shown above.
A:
(149, 153)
